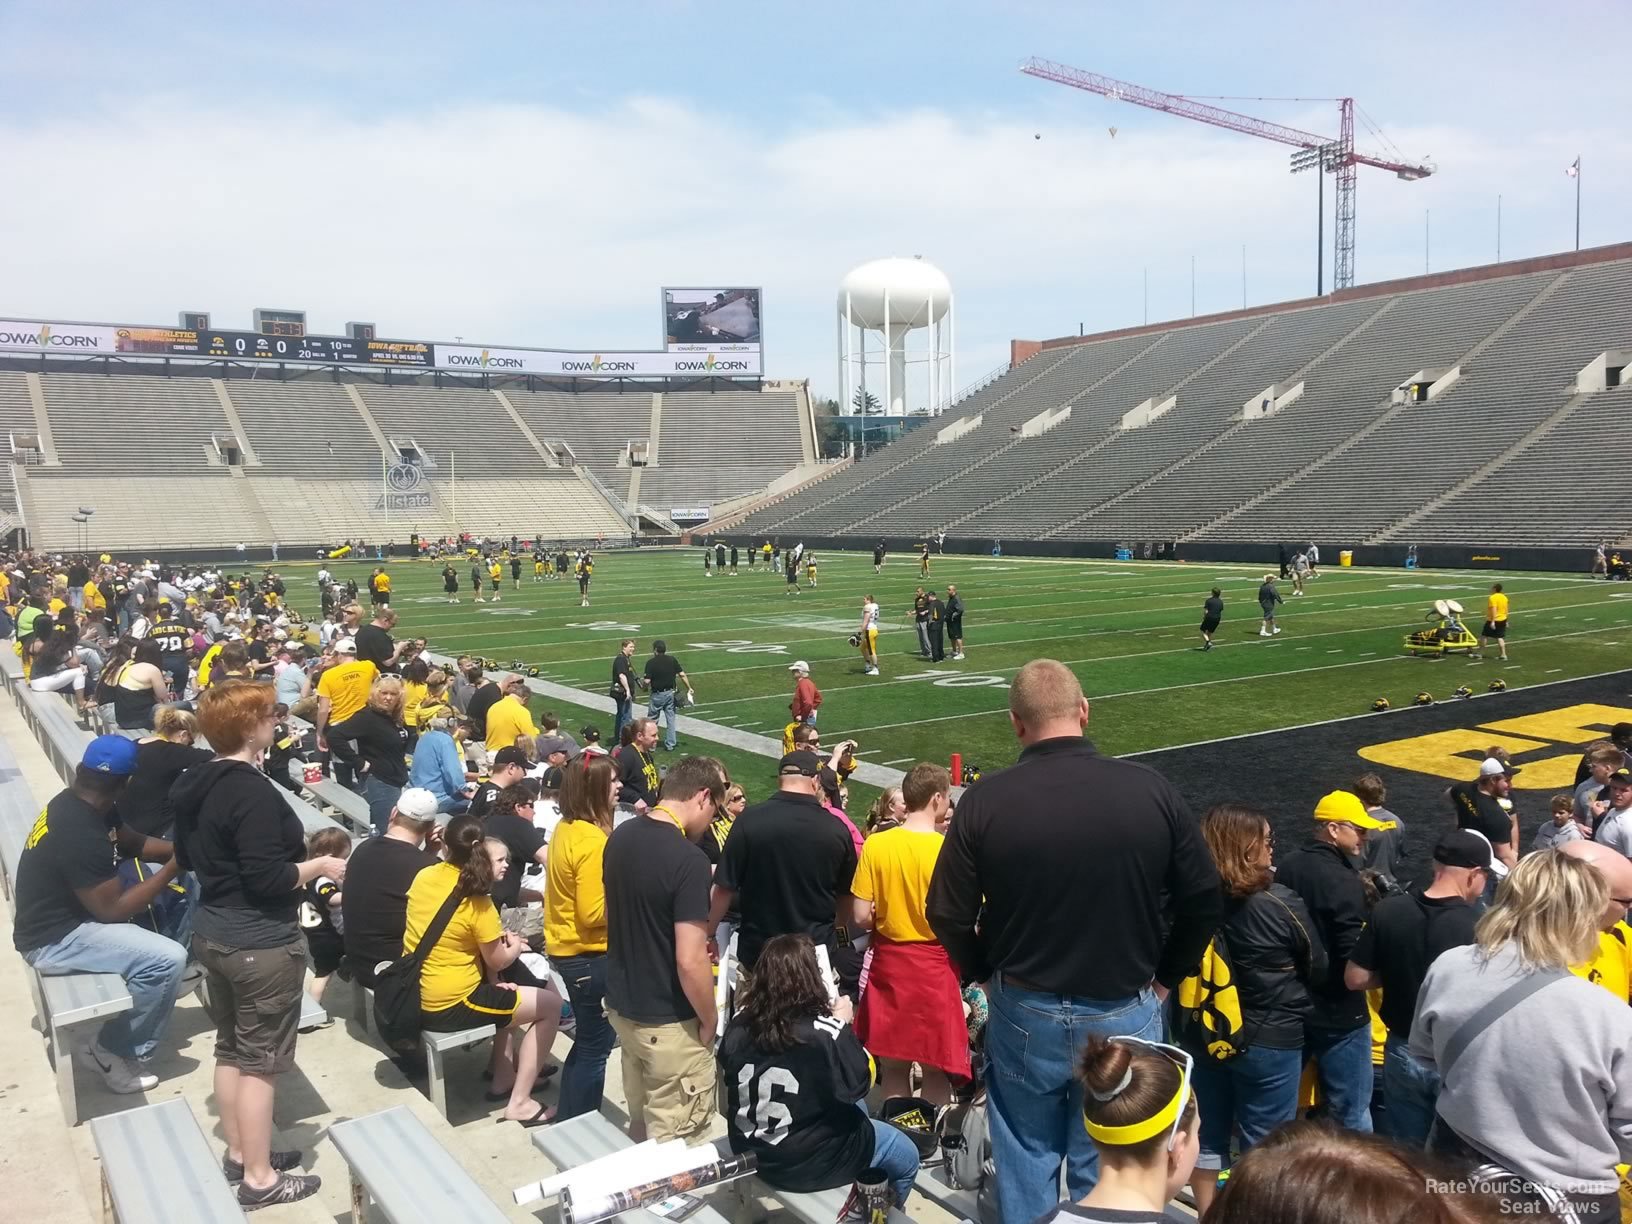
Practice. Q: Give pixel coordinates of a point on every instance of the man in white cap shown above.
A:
(375, 900)
(1479, 807)
(807, 698)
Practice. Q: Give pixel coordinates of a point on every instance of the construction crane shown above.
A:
(1331, 156)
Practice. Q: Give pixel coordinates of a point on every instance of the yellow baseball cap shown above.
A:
(1345, 807)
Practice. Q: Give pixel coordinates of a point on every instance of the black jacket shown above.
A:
(634, 783)
(1077, 874)
(1275, 955)
(1326, 880)
(375, 739)
(237, 835)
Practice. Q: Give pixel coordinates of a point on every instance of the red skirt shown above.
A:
(911, 1009)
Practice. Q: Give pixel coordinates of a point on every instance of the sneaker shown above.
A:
(872, 671)
(1276, 631)
(1265, 632)
(287, 1189)
(120, 1074)
(282, 1162)
(958, 656)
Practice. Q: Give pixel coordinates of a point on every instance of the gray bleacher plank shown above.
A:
(408, 1174)
(157, 1167)
(588, 1137)
(75, 998)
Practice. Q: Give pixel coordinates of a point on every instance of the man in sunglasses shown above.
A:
(1337, 1033)
(1406, 932)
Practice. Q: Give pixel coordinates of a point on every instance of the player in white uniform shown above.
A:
(869, 634)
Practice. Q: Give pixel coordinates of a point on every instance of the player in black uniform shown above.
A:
(515, 571)
(450, 582)
(1212, 612)
(586, 570)
(791, 569)
(708, 561)
(719, 558)
(796, 1081)
(878, 557)
(733, 560)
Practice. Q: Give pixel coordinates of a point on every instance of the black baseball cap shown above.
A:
(1460, 848)
(806, 763)
(510, 756)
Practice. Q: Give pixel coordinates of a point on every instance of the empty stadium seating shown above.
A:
(1343, 458)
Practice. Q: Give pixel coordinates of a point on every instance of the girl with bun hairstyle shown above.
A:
(1141, 1114)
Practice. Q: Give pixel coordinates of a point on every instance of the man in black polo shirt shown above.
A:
(374, 902)
(374, 640)
(637, 772)
(664, 674)
(508, 767)
(1040, 860)
(787, 865)
(487, 694)
(1406, 932)
(954, 620)
(659, 981)
(623, 686)
(1478, 807)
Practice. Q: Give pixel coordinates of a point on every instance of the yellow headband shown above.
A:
(1138, 1132)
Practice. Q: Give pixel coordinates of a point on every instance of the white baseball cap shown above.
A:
(416, 803)
(799, 665)
(1491, 766)
(346, 646)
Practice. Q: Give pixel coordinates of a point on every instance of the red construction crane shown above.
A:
(1332, 156)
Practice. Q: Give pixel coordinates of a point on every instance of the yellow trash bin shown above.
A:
(1346, 557)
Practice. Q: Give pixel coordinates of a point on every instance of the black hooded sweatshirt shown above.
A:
(236, 833)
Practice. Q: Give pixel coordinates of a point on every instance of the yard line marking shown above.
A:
(1335, 650)
(899, 761)
(1554, 670)
(1367, 654)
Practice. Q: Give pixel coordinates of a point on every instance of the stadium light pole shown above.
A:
(1319, 158)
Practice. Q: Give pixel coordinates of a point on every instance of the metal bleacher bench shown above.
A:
(352, 807)
(588, 1137)
(408, 1175)
(157, 1168)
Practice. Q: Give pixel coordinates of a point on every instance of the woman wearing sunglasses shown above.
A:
(1141, 1114)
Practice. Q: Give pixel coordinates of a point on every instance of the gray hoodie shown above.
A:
(1555, 1108)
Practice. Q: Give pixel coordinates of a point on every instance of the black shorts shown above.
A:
(1209, 624)
(324, 946)
(487, 1004)
(1494, 629)
(380, 597)
(450, 585)
(954, 628)
(793, 577)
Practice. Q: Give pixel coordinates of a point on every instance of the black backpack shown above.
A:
(396, 984)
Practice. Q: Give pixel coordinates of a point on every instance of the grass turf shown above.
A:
(1127, 629)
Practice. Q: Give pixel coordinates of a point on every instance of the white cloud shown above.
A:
(530, 225)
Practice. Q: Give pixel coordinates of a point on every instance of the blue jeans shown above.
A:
(583, 1077)
(151, 965)
(894, 1153)
(1343, 1069)
(382, 797)
(452, 805)
(661, 706)
(1256, 1091)
(1410, 1091)
(1035, 1114)
(620, 716)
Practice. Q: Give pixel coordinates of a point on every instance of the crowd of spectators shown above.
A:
(1134, 1001)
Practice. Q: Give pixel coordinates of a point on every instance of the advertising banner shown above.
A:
(77, 338)
(473, 359)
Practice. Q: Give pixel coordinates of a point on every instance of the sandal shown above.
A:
(544, 1116)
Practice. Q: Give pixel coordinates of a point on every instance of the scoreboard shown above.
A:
(253, 346)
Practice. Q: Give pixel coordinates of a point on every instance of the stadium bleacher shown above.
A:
(1345, 457)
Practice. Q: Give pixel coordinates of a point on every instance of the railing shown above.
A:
(979, 384)
(616, 502)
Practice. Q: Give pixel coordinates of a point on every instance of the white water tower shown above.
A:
(895, 298)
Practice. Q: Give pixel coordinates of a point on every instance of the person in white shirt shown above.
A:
(1615, 826)
(868, 635)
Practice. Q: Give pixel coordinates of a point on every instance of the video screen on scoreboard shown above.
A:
(723, 320)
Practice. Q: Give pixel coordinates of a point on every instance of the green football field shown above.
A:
(1127, 629)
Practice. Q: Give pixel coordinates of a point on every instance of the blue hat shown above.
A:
(111, 754)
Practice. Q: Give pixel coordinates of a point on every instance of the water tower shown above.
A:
(896, 297)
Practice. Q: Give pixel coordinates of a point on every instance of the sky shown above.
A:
(533, 173)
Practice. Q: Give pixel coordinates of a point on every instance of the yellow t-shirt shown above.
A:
(346, 686)
(1496, 607)
(207, 663)
(574, 895)
(56, 605)
(1612, 967)
(495, 572)
(893, 873)
(413, 697)
(507, 721)
(93, 600)
(1379, 1030)
(454, 967)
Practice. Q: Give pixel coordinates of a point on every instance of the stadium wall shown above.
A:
(1250, 552)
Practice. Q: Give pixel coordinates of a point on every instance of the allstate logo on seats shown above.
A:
(403, 477)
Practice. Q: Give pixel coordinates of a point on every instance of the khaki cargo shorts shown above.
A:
(668, 1077)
